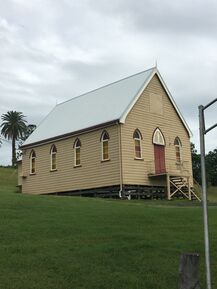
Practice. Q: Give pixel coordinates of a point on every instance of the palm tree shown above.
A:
(13, 127)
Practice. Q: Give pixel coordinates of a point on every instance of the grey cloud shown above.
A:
(81, 45)
(95, 75)
(184, 17)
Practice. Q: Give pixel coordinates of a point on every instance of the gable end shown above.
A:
(156, 72)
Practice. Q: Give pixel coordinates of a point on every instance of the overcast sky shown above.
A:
(53, 50)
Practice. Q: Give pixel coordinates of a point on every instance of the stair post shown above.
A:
(168, 187)
(189, 189)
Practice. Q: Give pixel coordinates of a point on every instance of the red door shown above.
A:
(159, 155)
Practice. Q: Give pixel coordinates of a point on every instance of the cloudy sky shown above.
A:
(52, 50)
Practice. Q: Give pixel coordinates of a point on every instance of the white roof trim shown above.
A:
(100, 106)
(174, 104)
(126, 112)
(155, 71)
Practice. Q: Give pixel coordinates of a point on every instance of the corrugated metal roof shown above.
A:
(99, 106)
(103, 105)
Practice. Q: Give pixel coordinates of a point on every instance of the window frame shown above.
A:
(178, 146)
(137, 136)
(159, 133)
(77, 146)
(103, 142)
(32, 158)
(53, 152)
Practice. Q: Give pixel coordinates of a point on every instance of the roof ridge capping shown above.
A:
(106, 85)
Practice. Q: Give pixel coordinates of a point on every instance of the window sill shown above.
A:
(77, 166)
(32, 174)
(179, 163)
(139, 159)
(53, 170)
(103, 161)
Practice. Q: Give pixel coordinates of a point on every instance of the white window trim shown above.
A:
(75, 154)
(31, 158)
(140, 144)
(180, 150)
(157, 131)
(51, 159)
(102, 142)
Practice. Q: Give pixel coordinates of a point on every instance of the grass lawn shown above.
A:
(51, 242)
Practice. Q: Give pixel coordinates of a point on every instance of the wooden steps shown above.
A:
(180, 187)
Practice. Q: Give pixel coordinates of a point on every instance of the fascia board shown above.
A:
(155, 71)
(131, 105)
(174, 104)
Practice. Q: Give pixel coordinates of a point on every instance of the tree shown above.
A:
(196, 166)
(211, 165)
(13, 128)
(29, 129)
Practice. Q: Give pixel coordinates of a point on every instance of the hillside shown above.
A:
(51, 242)
(8, 178)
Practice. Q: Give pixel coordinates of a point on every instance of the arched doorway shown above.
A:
(159, 151)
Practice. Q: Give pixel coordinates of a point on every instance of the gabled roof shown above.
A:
(107, 104)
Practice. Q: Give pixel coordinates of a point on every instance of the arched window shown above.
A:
(77, 151)
(178, 149)
(32, 162)
(158, 137)
(137, 142)
(105, 145)
(53, 158)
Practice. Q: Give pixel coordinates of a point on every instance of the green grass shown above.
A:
(212, 194)
(51, 242)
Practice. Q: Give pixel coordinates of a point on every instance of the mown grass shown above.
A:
(51, 242)
(211, 193)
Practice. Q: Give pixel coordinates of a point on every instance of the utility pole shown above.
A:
(203, 131)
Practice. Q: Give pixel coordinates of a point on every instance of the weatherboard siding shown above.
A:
(136, 171)
(92, 173)
(146, 115)
(19, 173)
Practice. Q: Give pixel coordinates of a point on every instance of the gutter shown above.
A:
(68, 135)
